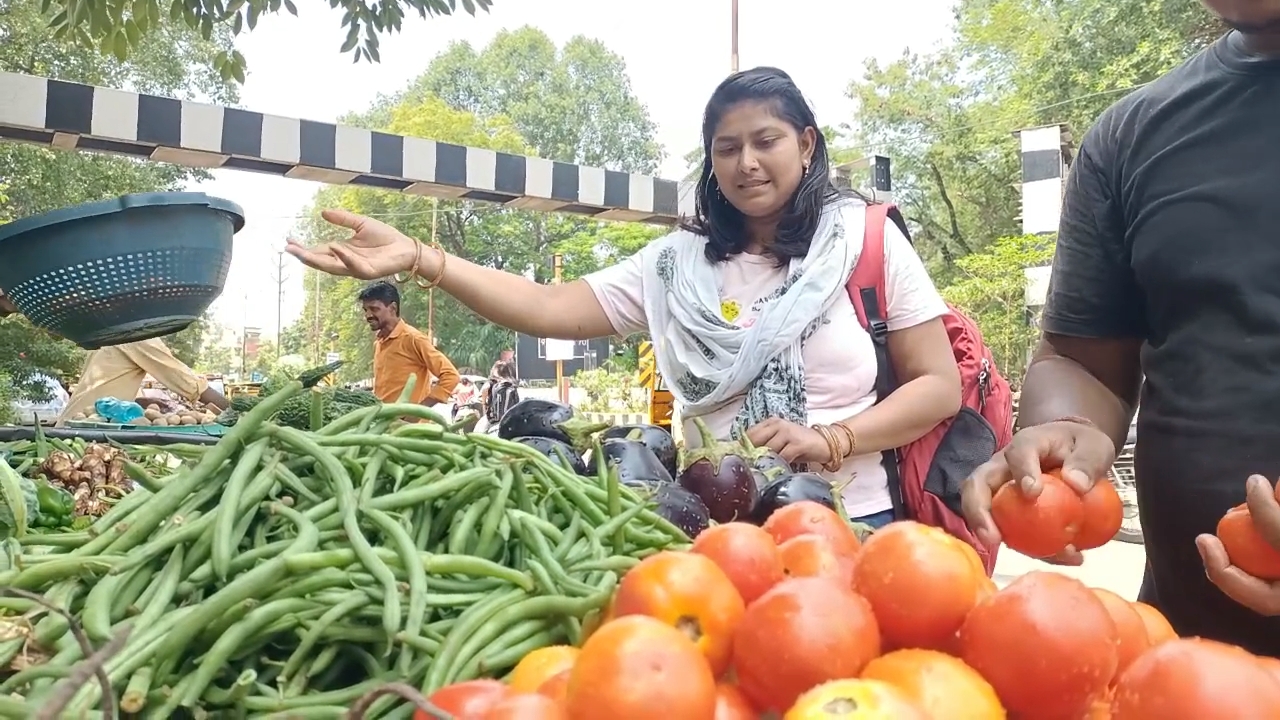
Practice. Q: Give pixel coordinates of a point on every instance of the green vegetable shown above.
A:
(284, 571)
(55, 507)
(18, 502)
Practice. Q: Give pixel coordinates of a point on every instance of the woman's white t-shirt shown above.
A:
(839, 359)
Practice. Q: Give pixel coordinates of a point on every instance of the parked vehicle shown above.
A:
(1122, 475)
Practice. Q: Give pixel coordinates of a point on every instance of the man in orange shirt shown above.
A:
(401, 350)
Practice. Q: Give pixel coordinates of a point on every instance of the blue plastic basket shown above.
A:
(122, 270)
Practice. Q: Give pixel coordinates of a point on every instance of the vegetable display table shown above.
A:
(9, 433)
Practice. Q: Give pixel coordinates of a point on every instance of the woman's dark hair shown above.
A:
(715, 217)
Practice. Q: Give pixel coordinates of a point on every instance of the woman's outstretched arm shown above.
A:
(376, 250)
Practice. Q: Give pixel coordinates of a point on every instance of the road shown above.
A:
(1115, 566)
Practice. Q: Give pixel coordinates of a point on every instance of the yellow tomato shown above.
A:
(854, 700)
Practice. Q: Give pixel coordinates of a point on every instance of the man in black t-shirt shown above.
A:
(1168, 267)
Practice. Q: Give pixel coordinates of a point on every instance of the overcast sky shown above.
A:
(676, 52)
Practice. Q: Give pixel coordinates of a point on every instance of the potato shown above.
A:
(160, 422)
(154, 406)
(143, 421)
(79, 416)
(151, 413)
(188, 420)
(96, 418)
(173, 419)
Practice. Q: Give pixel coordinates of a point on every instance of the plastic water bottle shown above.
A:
(118, 411)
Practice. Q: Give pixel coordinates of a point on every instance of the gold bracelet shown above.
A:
(833, 447)
(444, 258)
(851, 437)
(413, 271)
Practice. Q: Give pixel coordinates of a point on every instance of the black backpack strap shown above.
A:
(886, 382)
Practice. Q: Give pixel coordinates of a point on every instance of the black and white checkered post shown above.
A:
(1044, 168)
(82, 117)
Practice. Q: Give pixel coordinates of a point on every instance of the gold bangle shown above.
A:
(851, 437)
(413, 271)
(444, 258)
(833, 447)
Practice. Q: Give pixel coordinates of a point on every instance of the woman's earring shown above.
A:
(806, 169)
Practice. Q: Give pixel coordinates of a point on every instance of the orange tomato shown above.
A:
(810, 518)
(855, 700)
(746, 553)
(1246, 547)
(803, 632)
(732, 705)
(921, 583)
(1045, 643)
(556, 687)
(527, 706)
(469, 699)
(1158, 628)
(538, 666)
(815, 556)
(1129, 627)
(1101, 707)
(636, 666)
(941, 685)
(1194, 678)
(690, 593)
(1103, 516)
(1041, 527)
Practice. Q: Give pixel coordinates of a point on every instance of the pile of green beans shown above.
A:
(284, 573)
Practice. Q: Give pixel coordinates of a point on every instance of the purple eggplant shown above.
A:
(633, 460)
(535, 417)
(720, 474)
(790, 489)
(559, 452)
(679, 506)
(657, 439)
(767, 461)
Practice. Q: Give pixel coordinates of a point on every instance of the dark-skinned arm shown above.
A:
(1097, 379)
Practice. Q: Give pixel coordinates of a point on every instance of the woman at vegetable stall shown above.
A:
(758, 334)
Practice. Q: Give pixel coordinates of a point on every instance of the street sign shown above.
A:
(560, 349)
(552, 350)
(331, 358)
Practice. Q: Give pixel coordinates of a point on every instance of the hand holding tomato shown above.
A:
(1247, 545)
(1084, 453)
(794, 442)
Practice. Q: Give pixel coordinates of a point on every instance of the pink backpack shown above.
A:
(925, 476)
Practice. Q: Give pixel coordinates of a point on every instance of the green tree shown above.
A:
(451, 103)
(218, 359)
(122, 28)
(992, 291)
(574, 104)
(947, 118)
(171, 60)
(188, 344)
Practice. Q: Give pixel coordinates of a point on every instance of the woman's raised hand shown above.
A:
(375, 250)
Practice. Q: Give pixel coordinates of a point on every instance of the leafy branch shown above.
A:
(118, 27)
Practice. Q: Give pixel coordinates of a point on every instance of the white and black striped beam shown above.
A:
(1043, 170)
(72, 116)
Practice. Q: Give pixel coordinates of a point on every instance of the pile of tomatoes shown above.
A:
(799, 620)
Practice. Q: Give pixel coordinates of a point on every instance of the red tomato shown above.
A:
(467, 700)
